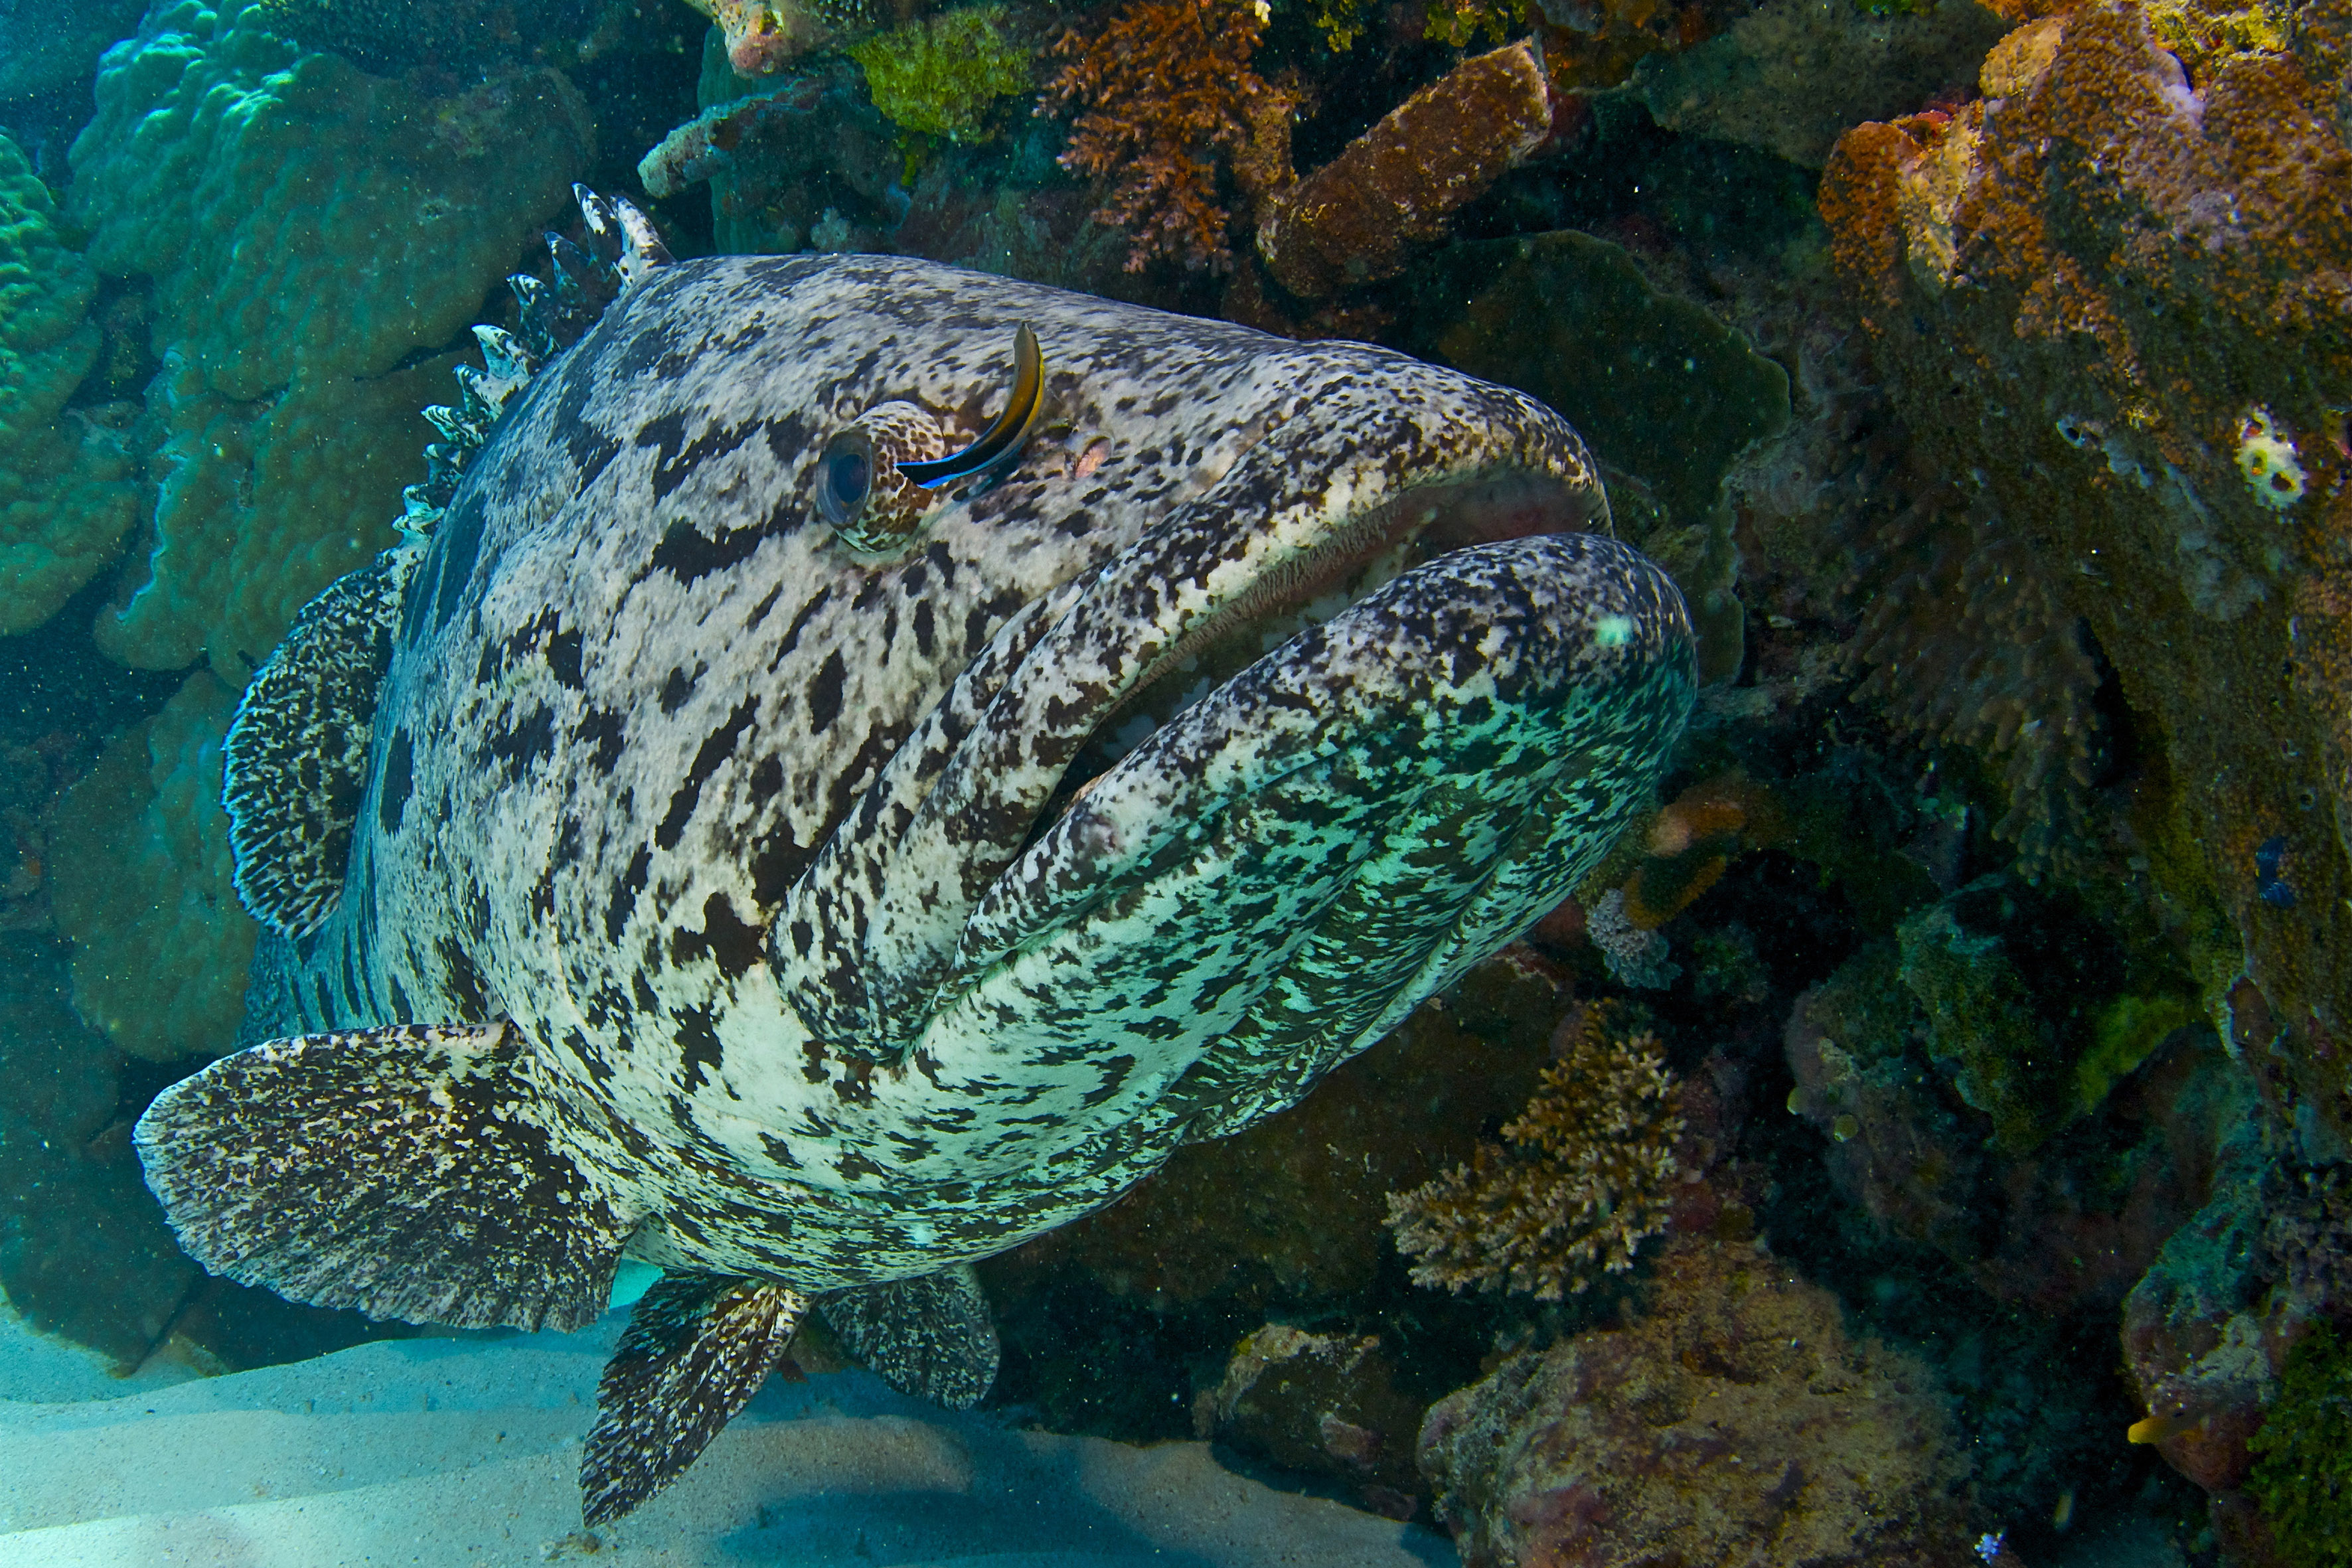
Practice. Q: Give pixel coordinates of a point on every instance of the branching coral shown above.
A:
(1587, 1178)
(1161, 93)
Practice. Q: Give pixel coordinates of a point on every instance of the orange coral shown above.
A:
(1162, 92)
(1588, 1179)
(1691, 843)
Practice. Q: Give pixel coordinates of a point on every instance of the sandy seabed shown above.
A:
(466, 1451)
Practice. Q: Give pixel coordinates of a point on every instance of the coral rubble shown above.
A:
(1735, 1421)
(1588, 1175)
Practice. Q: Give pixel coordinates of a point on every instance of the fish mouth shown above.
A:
(1358, 556)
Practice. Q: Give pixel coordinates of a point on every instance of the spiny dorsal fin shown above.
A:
(407, 1172)
(933, 1337)
(624, 248)
(294, 766)
(697, 1348)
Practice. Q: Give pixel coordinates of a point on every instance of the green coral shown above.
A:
(65, 500)
(940, 76)
(2303, 1456)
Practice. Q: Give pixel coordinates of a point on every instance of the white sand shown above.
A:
(443, 1451)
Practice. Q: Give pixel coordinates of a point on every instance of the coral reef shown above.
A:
(314, 236)
(1792, 75)
(1735, 1421)
(1395, 189)
(2077, 286)
(1590, 1174)
(139, 879)
(941, 75)
(1161, 93)
(65, 504)
(1324, 1404)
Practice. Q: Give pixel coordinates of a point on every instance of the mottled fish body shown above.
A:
(810, 891)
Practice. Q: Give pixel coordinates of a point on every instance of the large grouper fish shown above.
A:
(853, 764)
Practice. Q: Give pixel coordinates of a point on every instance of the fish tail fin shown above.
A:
(697, 1348)
(408, 1171)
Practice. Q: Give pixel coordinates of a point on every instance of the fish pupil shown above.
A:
(848, 475)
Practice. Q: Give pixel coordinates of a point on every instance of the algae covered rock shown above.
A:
(315, 236)
(1736, 1421)
(2109, 299)
(64, 498)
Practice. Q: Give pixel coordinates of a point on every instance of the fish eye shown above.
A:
(845, 477)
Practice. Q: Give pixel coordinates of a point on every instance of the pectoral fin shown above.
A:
(697, 1348)
(410, 1172)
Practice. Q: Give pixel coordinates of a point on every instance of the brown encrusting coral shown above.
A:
(1590, 1174)
(1394, 188)
(1162, 92)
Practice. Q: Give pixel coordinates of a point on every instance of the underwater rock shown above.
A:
(1321, 1404)
(315, 236)
(1734, 1421)
(139, 879)
(1394, 189)
(65, 500)
(1792, 75)
(2082, 289)
(2060, 1195)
